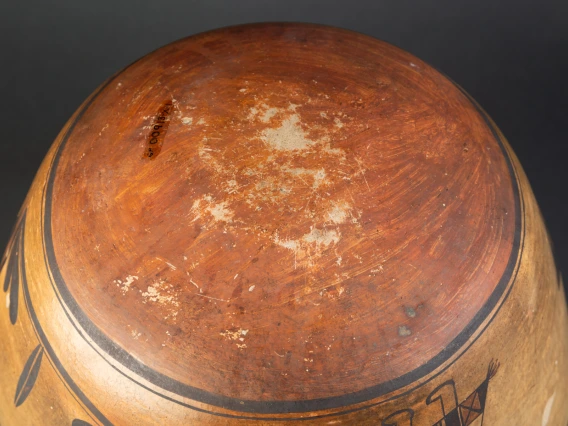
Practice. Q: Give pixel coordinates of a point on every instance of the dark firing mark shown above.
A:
(29, 375)
(157, 134)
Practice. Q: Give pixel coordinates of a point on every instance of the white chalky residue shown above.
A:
(321, 237)
(234, 335)
(231, 187)
(187, 121)
(220, 212)
(263, 112)
(319, 178)
(238, 335)
(288, 137)
(268, 114)
(310, 244)
(338, 213)
(155, 294)
(318, 175)
(253, 113)
(125, 285)
(289, 244)
(548, 410)
(195, 210)
(251, 288)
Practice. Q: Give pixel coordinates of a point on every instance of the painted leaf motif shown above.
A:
(10, 255)
(15, 286)
(29, 375)
(3, 261)
(14, 257)
(78, 422)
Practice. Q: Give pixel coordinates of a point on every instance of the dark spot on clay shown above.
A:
(254, 260)
(404, 331)
(237, 291)
(196, 231)
(410, 312)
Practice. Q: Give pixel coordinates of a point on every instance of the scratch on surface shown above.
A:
(212, 298)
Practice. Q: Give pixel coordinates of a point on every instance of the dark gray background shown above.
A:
(510, 55)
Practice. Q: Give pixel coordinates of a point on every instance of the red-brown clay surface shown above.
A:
(326, 213)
